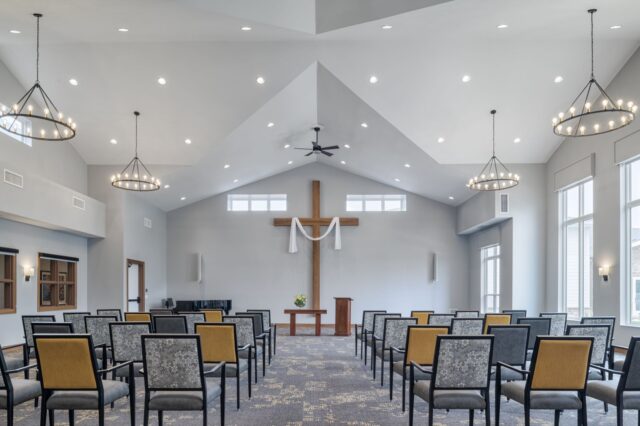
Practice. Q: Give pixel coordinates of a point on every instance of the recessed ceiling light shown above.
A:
(558, 79)
(407, 165)
(440, 139)
(503, 26)
(451, 197)
(15, 31)
(516, 140)
(167, 186)
(162, 81)
(466, 78)
(346, 145)
(73, 82)
(396, 179)
(183, 198)
(270, 124)
(226, 166)
(246, 28)
(123, 30)
(387, 27)
(187, 141)
(260, 80)
(287, 146)
(343, 162)
(235, 181)
(613, 27)
(289, 162)
(113, 142)
(373, 79)
(365, 125)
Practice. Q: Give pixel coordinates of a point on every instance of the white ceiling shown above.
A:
(316, 57)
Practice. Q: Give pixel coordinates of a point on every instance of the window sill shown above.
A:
(7, 311)
(56, 308)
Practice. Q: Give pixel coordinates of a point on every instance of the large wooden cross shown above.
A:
(315, 222)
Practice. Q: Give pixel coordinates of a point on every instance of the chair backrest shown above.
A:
(630, 379)
(26, 325)
(367, 319)
(378, 323)
(213, 315)
(98, 327)
(66, 362)
(467, 314)
(170, 324)
(77, 319)
(467, 326)
(258, 322)
(161, 311)
(537, 327)
(137, 316)
(52, 327)
(244, 329)
(510, 343)
(558, 322)
(218, 342)
(266, 317)
(421, 316)
(172, 362)
(610, 321)
(462, 362)
(600, 334)
(441, 319)
(395, 332)
(421, 343)
(496, 319)
(126, 340)
(192, 318)
(110, 313)
(560, 363)
(515, 314)
(4, 377)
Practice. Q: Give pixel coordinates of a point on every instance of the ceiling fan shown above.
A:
(317, 149)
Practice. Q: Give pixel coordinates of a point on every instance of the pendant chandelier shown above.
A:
(593, 111)
(135, 176)
(35, 115)
(494, 176)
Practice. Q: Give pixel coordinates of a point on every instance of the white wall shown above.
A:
(384, 263)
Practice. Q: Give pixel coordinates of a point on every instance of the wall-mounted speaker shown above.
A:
(434, 268)
(198, 267)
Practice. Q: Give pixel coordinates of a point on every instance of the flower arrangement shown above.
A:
(300, 301)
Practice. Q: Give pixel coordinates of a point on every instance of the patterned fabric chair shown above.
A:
(77, 319)
(467, 326)
(495, 319)
(219, 344)
(52, 328)
(625, 392)
(537, 327)
(510, 344)
(170, 324)
(557, 378)
(27, 349)
(394, 335)
(98, 327)
(245, 334)
(558, 322)
(421, 316)
(419, 348)
(460, 377)
(600, 334)
(467, 314)
(515, 314)
(110, 313)
(137, 317)
(269, 328)
(192, 318)
(174, 378)
(261, 336)
(126, 339)
(71, 380)
(441, 319)
(15, 391)
(366, 328)
(615, 359)
(377, 334)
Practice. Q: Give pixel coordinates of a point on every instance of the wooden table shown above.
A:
(293, 312)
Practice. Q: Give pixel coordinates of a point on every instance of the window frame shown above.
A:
(269, 198)
(485, 258)
(627, 205)
(12, 254)
(70, 282)
(384, 199)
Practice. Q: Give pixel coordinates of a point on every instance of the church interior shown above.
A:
(311, 212)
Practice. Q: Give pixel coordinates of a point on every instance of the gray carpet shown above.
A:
(317, 381)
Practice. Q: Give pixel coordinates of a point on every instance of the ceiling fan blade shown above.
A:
(305, 149)
(306, 155)
(331, 147)
(328, 154)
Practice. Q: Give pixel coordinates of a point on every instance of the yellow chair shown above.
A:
(213, 315)
(420, 348)
(557, 379)
(137, 317)
(422, 316)
(219, 344)
(495, 319)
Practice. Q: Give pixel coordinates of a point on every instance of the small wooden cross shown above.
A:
(315, 222)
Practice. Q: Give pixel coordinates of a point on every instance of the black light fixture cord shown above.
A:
(493, 137)
(592, 12)
(136, 113)
(38, 16)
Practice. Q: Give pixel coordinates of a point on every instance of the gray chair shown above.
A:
(558, 322)
(366, 330)
(260, 335)
(537, 327)
(161, 311)
(441, 319)
(269, 328)
(245, 334)
(192, 318)
(467, 314)
(510, 344)
(175, 379)
(15, 391)
(394, 335)
(600, 334)
(616, 361)
(77, 319)
(467, 326)
(110, 313)
(377, 335)
(126, 341)
(625, 392)
(52, 328)
(460, 377)
(98, 327)
(27, 349)
(515, 314)
(170, 324)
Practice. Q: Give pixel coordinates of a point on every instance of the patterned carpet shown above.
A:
(317, 381)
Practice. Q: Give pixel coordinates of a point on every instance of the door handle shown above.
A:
(137, 299)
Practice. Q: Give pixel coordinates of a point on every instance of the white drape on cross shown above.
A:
(295, 225)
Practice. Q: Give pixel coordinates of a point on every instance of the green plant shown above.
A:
(300, 301)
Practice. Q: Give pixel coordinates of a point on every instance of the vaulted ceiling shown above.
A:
(316, 58)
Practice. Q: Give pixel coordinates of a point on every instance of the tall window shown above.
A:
(257, 202)
(631, 239)
(377, 203)
(7, 280)
(490, 270)
(576, 258)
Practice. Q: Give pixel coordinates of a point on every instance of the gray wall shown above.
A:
(384, 263)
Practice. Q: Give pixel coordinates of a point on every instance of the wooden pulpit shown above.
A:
(343, 316)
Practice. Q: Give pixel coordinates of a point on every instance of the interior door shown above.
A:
(135, 286)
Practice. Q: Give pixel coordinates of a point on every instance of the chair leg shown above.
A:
(101, 416)
(556, 418)
(160, 416)
(583, 396)
(10, 414)
(72, 418)
(356, 340)
(222, 403)
(43, 414)
(238, 386)
(270, 349)
(146, 411)
(470, 417)
(527, 414)
(430, 419)
(51, 418)
(619, 415)
(382, 369)
(606, 407)
(497, 396)
(390, 380)
(487, 411)
(411, 402)
(404, 386)
(264, 359)
(255, 364)
(249, 377)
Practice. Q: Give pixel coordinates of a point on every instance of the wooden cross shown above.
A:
(315, 222)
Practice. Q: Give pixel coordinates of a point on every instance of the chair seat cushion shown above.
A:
(542, 400)
(418, 375)
(230, 369)
(605, 390)
(23, 390)
(87, 400)
(254, 351)
(183, 400)
(450, 399)
(124, 371)
(13, 362)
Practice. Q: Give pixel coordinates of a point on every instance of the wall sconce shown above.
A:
(603, 271)
(29, 271)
